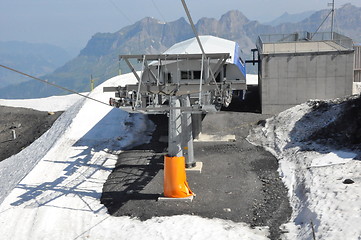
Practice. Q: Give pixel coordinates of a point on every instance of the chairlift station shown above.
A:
(294, 68)
(185, 83)
(188, 81)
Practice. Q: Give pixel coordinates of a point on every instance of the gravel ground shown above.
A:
(239, 181)
(28, 125)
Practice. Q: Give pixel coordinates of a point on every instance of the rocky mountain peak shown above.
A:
(181, 20)
(234, 16)
(149, 21)
(348, 6)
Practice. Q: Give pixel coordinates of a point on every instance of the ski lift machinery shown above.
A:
(184, 82)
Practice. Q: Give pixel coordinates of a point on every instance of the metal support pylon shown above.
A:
(187, 134)
(180, 140)
(175, 181)
(175, 128)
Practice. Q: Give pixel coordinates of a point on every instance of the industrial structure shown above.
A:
(294, 68)
(190, 79)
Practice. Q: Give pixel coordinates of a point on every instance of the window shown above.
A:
(186, 75)
(196, 74)
(167, 77)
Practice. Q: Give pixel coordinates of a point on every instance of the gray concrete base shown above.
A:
(215, 138)
(186, 199)
(197, 168)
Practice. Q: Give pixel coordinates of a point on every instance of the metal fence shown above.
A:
(344, 41)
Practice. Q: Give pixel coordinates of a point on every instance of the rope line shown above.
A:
(120, 11)
(159, 12)
(53, 84)
(321, 24)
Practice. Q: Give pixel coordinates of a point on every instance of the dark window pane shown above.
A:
(196, 74)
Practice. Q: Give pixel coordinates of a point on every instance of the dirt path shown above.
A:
(28, 125)
(238, 182)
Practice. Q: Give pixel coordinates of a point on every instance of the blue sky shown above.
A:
(71, 23)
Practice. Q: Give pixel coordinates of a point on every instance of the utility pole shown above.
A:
(119, 69)
(332, 16)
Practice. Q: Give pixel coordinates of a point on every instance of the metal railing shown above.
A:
(343, 41)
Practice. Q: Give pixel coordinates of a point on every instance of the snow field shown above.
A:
(54, 103)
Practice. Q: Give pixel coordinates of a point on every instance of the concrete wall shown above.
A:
(290, 79)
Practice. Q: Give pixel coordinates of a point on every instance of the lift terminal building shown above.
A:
(294, 68)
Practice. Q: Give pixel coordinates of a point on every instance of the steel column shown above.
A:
(187, 135)
(175, 128)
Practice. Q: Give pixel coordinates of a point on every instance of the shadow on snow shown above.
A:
(116, 131)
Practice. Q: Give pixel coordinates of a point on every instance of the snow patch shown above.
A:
(333, 158)
(314, 173)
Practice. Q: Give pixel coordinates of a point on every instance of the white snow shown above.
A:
(356, 88)
(54, 103)
(52, 189)
(314, 177)
(252, 79)
(333, 158)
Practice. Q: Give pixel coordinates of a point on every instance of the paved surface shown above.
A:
(238, 182)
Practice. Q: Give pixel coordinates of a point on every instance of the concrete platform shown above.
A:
(197, 168)
(186, 199)
(202, 137)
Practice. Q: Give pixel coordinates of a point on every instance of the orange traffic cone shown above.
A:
(175, 182)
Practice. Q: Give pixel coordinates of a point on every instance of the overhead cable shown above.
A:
(53, 84)
(160, 13)
(120, 11)
(322, 24)
(199, 42)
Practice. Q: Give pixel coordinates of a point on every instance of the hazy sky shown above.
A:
(71, 23)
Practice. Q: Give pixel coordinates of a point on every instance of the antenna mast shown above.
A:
(332, 12)
(332, 17)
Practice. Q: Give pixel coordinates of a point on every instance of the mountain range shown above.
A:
(99, 59)
(33, 58)
(289, 18)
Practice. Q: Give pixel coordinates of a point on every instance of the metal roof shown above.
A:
(210, 44)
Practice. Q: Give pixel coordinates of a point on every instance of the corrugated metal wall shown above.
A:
(357, 66)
